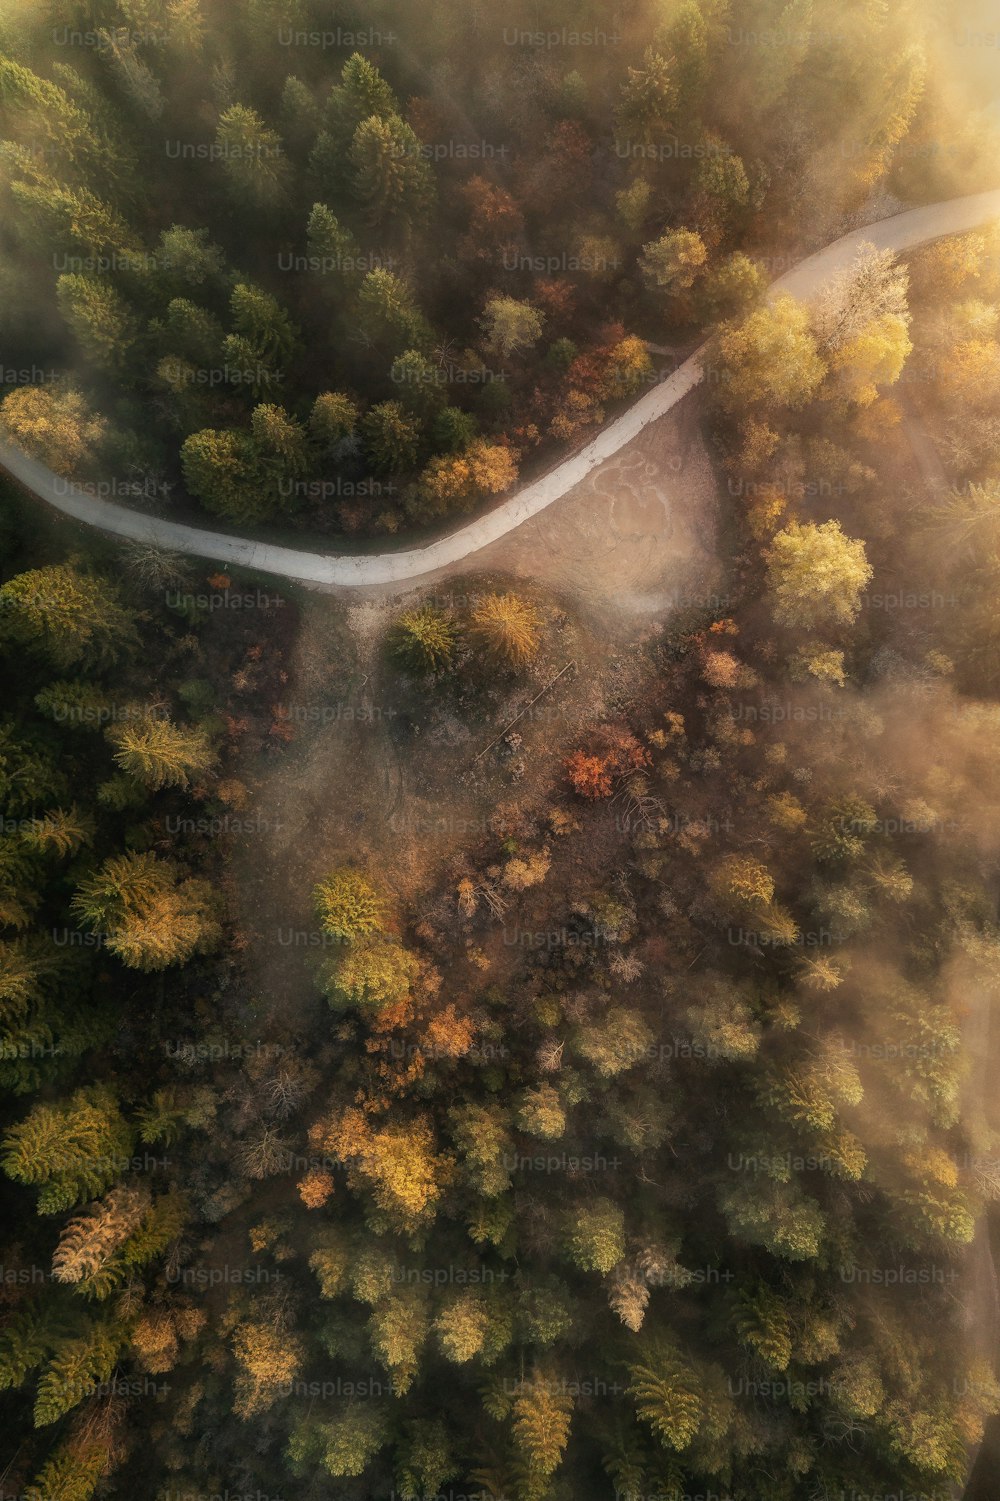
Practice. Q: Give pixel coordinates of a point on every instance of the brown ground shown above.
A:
(386, 777)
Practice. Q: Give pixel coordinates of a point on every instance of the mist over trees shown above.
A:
(219, 226)
(623, 1126)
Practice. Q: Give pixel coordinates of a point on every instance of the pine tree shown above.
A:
(740, 885)
(330, 243)
(98, 318)
(595, 1235)
(348, 905)
(28, 772)
(398, 1328)
(221, 469)
(427, 1459)
(334, 418)
(261, 320)
(628, 1297)
(72, 217)
(75, 1371)
(391, 437)
(392, 181)
(419, 383)
(483, 1137)
(20, 879)
(507, 628)
(25, 1340)
(89, 1242)
(353, 1440)
(300, 114)
(648, 99)
(667, 1394)
(187, 258)
(71, 617)
(839, 831)
(42, 1025)
(542, 1417)
(193, 333)
(72, 1474)
(148, 913)
(36, 109)
(252, 157)
(159, 754)
(424, 640)
(282, 451)
(362, 94)
(61, 831)
(70, 1151)
(763, 1322)
(138, 81)
(388, 316)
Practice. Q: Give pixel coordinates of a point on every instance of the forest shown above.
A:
(611, 1116)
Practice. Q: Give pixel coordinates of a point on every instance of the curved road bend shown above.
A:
(899, 233)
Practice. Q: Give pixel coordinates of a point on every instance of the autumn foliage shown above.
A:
(595, 770)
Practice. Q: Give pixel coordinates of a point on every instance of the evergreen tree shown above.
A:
(424, 640)
(595, 1235)
(391, 438)
(71, 1152)
(333, 419)
(75, 1371)
(252, 157)
(348, 906)
(648, 100)
(388, 315)
(193, 333)
(764, 1322)
(147, 911)
(362, 94)
(28, 774)
(541, 1427)
(221, 469)
(159, 754)
(89, 1242)
(667, 1394)
(73, 1473)
(263, 327)
(392, 181)
(98, 318)
(330, 243)
(61, 831)
(507, 628)
(72, 618)
(187, 258)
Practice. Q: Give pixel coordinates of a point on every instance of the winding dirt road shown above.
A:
(899, 233)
